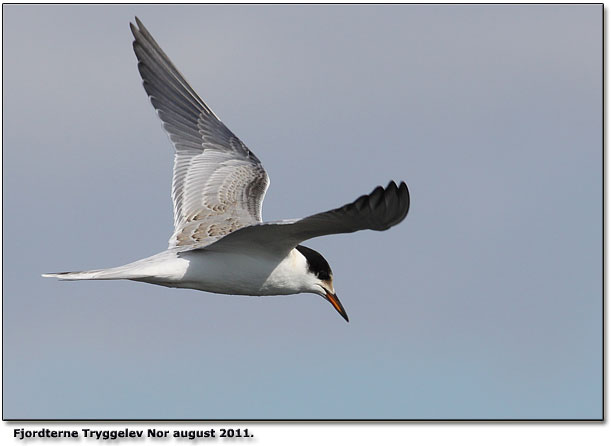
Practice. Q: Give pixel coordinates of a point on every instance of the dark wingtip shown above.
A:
(404, 193)
(396, 200)
(386, 207)
(138, 29)
(134, 30)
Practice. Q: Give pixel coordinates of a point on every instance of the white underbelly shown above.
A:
(233, 273)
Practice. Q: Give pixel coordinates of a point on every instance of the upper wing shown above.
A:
(380, 210)
(218, 184)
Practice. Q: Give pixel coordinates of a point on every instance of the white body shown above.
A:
(251, 273)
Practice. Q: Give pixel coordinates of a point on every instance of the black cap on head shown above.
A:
(316, 263)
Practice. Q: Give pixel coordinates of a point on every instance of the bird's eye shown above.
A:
(323, 275)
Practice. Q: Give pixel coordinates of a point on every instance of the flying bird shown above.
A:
(220, 243)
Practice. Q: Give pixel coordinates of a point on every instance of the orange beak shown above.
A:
(336, 304)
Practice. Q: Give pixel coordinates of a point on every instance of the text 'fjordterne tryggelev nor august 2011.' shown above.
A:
(116, 434)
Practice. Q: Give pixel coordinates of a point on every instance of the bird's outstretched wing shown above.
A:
(380, 210)
(218, 184)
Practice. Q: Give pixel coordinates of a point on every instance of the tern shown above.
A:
(220, 243)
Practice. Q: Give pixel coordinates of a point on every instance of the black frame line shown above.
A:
(354, 420)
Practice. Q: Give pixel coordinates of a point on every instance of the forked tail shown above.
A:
(121, 272)
(165, 266)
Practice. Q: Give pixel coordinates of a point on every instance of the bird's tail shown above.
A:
(120, 272)
(142, 270)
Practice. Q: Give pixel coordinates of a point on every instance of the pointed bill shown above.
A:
(337, 304)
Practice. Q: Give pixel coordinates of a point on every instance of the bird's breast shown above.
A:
(241, 273)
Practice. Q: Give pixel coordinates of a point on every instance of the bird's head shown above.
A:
(320, 278)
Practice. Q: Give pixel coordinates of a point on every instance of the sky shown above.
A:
(485, 303)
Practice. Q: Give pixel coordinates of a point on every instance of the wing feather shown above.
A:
(379, 211)
(218, 184)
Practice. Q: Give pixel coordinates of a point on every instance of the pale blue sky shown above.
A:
(484, 303)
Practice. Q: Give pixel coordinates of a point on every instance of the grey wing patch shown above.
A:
(218, 184)
(225, 205)
(202, 234)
